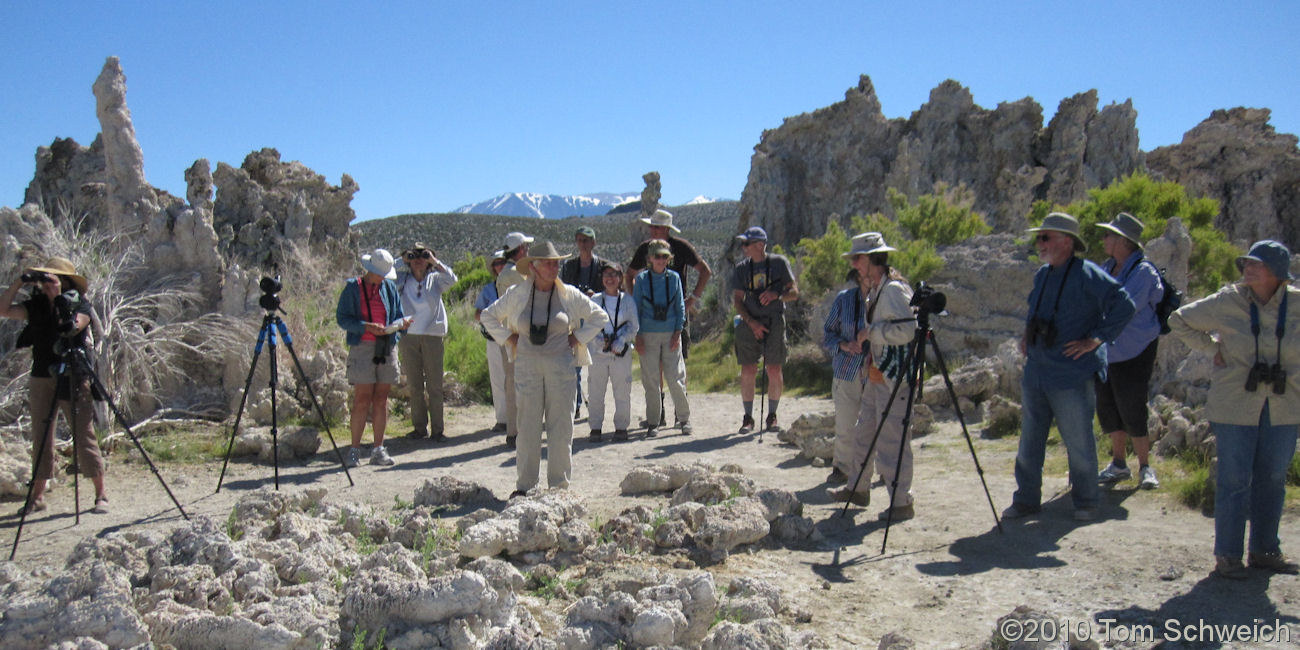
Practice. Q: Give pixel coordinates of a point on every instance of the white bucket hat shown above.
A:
(660, 218)
(379, 262)
(868, 243)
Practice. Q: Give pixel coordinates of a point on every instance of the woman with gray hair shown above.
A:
(1254, 404)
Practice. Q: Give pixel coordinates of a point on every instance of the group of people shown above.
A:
(1090, 341)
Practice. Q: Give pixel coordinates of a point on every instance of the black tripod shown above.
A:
(74, 367)
(913, 363)
(271, 323)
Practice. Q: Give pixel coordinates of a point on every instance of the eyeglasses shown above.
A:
(1044, 237)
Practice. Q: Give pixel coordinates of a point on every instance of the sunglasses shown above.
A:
(1044, 237)
(661, 256)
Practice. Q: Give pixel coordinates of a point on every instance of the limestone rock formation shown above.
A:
(1236, 157)
(838, 161)
(650, 195)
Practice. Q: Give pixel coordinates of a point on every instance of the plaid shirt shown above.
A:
(847, 317)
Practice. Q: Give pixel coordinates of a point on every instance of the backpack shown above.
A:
(1169, 302)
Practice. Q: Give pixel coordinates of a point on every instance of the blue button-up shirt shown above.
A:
(1092, 305)
(1142, 282)
(847, 317)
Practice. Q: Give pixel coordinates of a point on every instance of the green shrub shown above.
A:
(1154, 203)
(471, 274)
(941, 218)
(464, 351)
(822, 266)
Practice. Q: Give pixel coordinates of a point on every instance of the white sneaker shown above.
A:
(686, 427)
(1113, 474)
(1149, 480)
(351, 458)
(380, 457)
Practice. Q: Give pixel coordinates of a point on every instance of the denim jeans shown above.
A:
(1072, 408)
(1251, 483)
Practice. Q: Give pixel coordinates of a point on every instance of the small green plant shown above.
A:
(359, 639)
(365, 544)
(1193, 485)
(401, 504)
(657, 520)
(232, 531)
(725, 614)
(552, 587)
(602, 536)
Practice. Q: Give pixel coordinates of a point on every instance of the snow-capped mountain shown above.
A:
(549, 206)
(700, 199)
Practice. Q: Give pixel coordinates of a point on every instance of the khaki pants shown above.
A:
(544, 389)
(512, 405)
(617, 372)
(40, 392)
(421, 357)
(658, 355)
(862, 403)
(497, 377)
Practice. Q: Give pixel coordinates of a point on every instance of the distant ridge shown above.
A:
(549, 206)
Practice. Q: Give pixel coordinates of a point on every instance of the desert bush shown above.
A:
(1154, 203)
(464, 351)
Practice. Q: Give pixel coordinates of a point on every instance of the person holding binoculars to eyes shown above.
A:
(57, 314)
(1074, 307)
(420, 349)
(1253, 406)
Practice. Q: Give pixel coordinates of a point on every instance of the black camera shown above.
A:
(1039, 330)
(660, 312)
(537, 333)
(927, 300)
(1262, 372)
(32, 276)
(483, 330)
(65, 305)
(270, 287)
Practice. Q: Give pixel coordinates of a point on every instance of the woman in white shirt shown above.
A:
(420, 349)
(611, 362)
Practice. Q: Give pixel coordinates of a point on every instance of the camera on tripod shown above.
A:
(928, 300)
(65, 318)
(270, 287)
(1262, 372)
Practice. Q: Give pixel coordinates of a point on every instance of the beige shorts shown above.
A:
(362, 368)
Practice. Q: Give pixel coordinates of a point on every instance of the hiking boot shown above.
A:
(351, 457)
(770, 425)
(620, 434)
(900, 513)
(836, 477)
(845, 494)
(1020, 511)
(519, 493)
(1275, 562)
(747, 424)
(1113, 474)
(651, 433)
(417, 434)
(1230, 568)
(379, 456)
(510, 442)
(498, 427)
(1085, 514)
(438, 436)
(594, 436)
(1149, 480)
(686, 427)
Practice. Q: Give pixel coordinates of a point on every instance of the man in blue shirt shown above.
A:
(1074, 307)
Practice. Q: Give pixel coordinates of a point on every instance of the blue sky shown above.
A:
(432, 105)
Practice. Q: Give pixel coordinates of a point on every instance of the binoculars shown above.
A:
(1038, 330)
(1262, 372)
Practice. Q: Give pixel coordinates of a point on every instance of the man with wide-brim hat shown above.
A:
(545, 326)
(684, 257)
(1074, 307)
(56, 282)
(1131, 357)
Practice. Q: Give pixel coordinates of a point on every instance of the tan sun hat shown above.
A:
(867, 243)
(1062, 222)
(660, 218)
(544, 251)
(62, 266)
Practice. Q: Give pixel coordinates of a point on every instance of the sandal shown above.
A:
(101, 506)
(36, 505)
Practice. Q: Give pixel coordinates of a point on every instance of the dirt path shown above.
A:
(943, 580)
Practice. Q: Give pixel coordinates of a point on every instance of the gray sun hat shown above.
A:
(379, 262)
(1127, 226)
(1062, 222)
(1273, 254)
(660, 218)
(867, 243)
